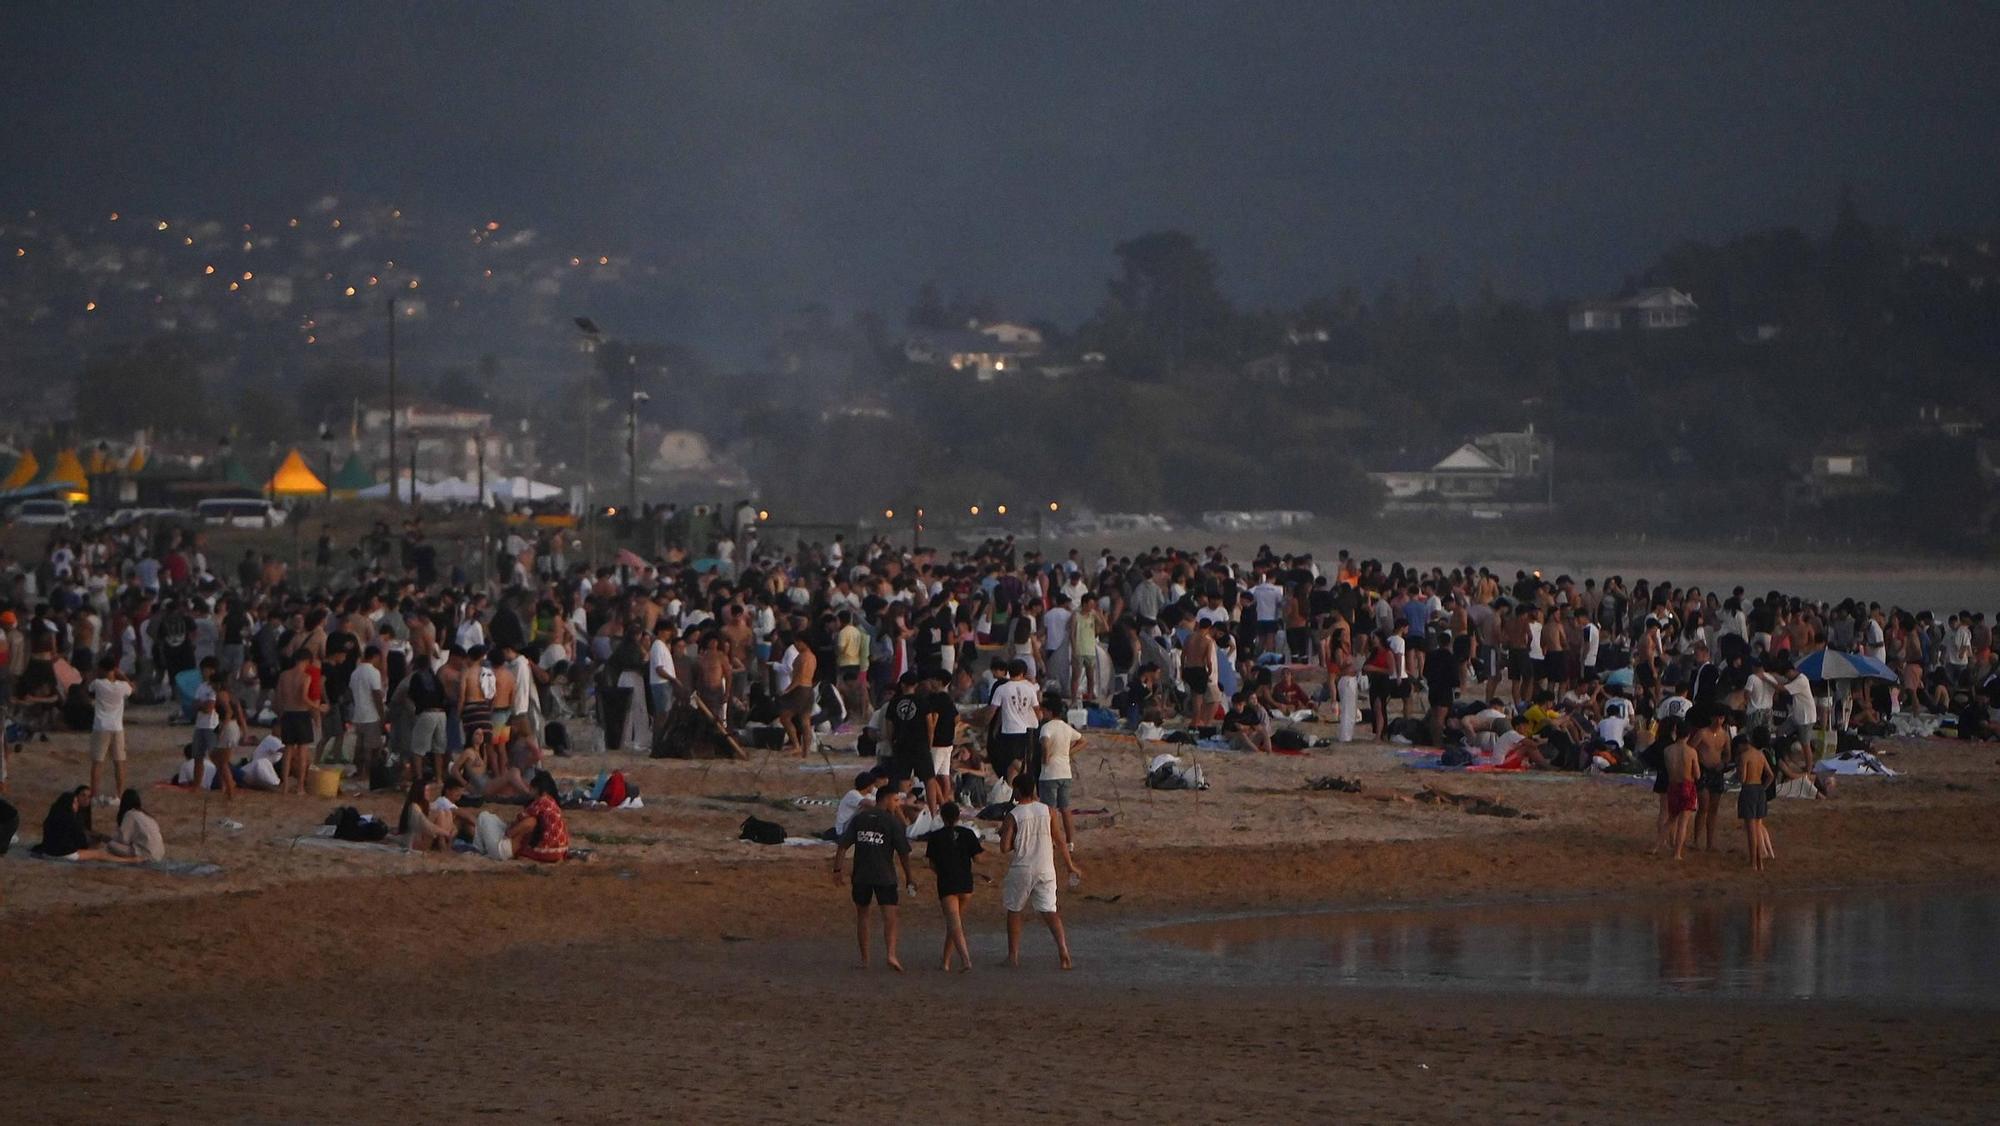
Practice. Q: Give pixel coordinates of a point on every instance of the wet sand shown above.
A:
(684, 975)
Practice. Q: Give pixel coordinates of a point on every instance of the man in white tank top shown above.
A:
(1035, 842)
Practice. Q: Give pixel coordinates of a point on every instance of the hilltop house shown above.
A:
(1661, 307)
(1501, 469)
(983, 354)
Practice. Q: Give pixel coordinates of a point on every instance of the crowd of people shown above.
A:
(971, 673)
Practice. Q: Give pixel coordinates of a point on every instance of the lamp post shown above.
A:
(591, 336)
(326, 445)
(634, 398)
(394, 494)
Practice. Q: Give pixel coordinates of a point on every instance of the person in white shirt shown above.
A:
(365, 686)
(1059, 744)
(1269, 601)
(1056, 639)
(108, 694)
(261, 772)
(1015, 701)
(854, 801)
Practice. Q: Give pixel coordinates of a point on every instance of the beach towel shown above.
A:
(323, 838)
(1854, 762)
(802, 842)
(163, 867)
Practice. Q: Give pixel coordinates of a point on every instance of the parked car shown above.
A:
(240, 512)
(125, 516)
(49, 512)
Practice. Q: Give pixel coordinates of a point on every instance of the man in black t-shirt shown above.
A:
(941, 721)
(880, 843)
(909, 741)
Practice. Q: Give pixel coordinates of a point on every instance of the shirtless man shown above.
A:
(1711, 745)
(1753, 803)
(1198, 667)
(795, 706)
(295, 719)
(712, 670)
(1683, 766)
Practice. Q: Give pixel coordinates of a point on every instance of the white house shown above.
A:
(1660, 307)
(1026, 340)
(961, 350)
(1496, 466)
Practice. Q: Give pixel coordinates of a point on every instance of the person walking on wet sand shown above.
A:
(1753, 802)
(1711, 746)
(1683, 767)
(880, 842)
(1035, 841)
(951, 851)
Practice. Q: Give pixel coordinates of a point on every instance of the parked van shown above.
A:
(48, 512)
(240, 512)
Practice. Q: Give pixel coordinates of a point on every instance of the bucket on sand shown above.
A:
(323, 782)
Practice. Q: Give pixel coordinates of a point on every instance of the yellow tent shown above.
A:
(295, 479)
(69, 471)
(24, 471)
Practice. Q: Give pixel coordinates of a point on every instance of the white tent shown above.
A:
(514, 490)
(448, 490)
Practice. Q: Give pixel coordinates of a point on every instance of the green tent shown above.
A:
(233, 472)
(352, 477)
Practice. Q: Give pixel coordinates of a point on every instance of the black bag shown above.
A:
(1289, 739)
(761, 832)
(10, 823)
(348, 826)
(1455, 755)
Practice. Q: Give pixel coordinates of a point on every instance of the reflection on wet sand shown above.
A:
(1929, 947)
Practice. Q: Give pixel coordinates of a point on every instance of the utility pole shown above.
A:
(393, 491)
(590, 334)
(632, 438)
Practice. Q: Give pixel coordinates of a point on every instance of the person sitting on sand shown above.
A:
(1248, 722)
(539, 833)
(430, 829)
(260, 772)
(1796, 776)
(138, 834)
(66, 832)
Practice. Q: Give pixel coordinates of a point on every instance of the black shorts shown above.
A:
(947, 889)
(1378, 686)
(1006, 750)
(296, 728)
(1518, 665)
(850, 674)
(903, 765)
(1555, 666)
(884, 894)
(1197, 679)
(1712, 779)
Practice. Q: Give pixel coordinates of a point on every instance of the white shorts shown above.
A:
(107, 744)
(941, 761)
(1024, 889)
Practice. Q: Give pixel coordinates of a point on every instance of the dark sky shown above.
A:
(770, 154)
